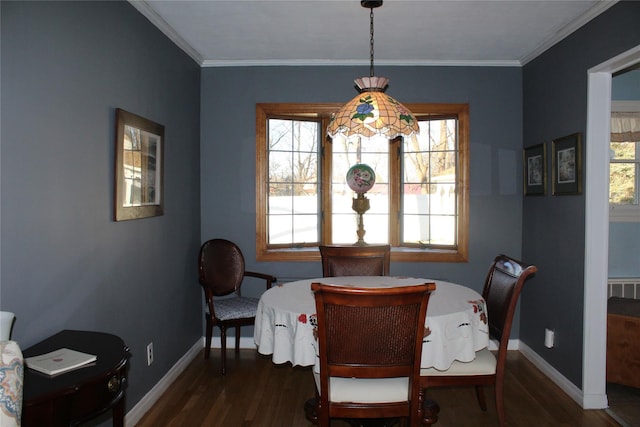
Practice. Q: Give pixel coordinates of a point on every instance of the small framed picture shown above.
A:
(138, 171)
(567, 165)
(535, 170)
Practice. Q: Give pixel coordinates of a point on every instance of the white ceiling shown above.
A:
(336, 32)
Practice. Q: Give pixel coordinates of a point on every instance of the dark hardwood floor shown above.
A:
(255, 392)
(624, 404)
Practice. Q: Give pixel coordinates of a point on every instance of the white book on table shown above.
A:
(59, 361)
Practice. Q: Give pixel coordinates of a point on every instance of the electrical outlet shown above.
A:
(549, 338)
(149, 353)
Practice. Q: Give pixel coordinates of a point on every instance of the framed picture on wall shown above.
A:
(138, 170)
(567, 165)
(535, 170)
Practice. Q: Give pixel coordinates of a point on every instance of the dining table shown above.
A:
(286, 322)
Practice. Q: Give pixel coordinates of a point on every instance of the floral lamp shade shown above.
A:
(373, 113)
(361, 178)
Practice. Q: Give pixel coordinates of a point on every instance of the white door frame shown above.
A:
(597, 227)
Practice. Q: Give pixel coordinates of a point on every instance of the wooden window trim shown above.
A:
(398, 254)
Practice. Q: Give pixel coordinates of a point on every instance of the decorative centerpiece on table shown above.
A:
(360, 178)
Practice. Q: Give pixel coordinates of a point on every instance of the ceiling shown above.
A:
(336, 32)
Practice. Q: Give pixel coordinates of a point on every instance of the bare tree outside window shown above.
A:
(293, 181)
(623, 173)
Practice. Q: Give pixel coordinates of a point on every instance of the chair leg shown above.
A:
(323, 415)
(207, 341)
(237, 339)
(481, 399)
(223, 348)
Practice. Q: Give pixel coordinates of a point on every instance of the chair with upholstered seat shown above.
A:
(502, 289)
(370, 347)
(367, 260)
(222, 272)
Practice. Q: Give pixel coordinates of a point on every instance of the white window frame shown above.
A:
(625, 213)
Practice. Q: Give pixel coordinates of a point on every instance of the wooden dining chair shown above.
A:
(221, 270)
(355, 260)
(370, 346)
(502, 288)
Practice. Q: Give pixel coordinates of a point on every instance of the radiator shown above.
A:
(627, 287)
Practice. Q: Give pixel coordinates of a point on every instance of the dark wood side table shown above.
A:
(79, 395)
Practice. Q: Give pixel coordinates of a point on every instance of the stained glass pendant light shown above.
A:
(372, 112)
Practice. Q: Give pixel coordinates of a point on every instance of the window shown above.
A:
(419, 203)
(624, 166)
(140, 150)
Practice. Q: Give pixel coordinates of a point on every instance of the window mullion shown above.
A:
(326, 208)
(395, 190)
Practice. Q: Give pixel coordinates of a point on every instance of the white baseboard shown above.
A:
(586, 402)
(511, 345)
(137, 412)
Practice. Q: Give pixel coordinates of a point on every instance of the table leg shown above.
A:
(118, 413)
(430, 410)
(310, 412)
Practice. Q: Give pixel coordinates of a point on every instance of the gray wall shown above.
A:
(228, 145)
(624, 237)
(624, 249)
(555, 104)
(626, 86)
(65, 263)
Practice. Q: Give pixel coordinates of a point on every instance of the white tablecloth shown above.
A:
(456, 317)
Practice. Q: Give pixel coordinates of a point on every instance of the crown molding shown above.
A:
(337, 62)
(565, 31)
(147, 11)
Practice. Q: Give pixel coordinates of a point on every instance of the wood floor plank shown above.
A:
(257, 393)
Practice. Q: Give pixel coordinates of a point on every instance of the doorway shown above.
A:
(597, 226)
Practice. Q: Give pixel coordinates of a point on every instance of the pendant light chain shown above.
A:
(371, 43)
(375, 113)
